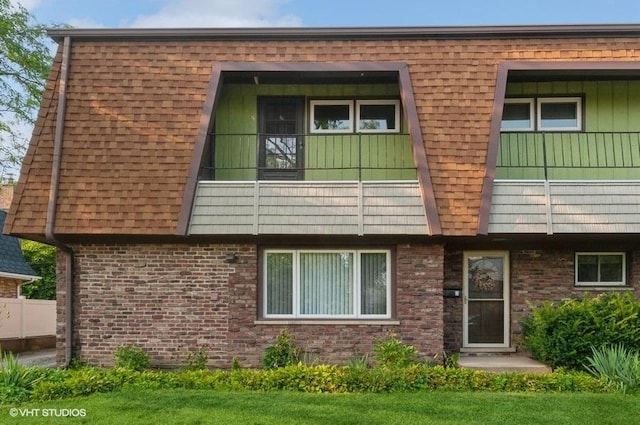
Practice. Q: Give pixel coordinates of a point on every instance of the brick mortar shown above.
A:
(173, 299)
(536, 275)
(8, 287)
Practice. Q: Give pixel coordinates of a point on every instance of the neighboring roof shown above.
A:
(134, 101)
(12, 263)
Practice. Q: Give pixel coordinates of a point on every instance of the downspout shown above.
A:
(53, 200)
(21, 285)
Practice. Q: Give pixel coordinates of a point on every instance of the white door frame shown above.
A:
(506, 290)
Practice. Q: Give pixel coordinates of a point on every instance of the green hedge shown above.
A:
(563, 334)
(316, 379)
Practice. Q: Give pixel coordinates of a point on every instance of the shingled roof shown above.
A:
(12, 261)
(134, 100)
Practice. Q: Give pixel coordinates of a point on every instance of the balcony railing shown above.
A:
(361, 156)
(569, 156)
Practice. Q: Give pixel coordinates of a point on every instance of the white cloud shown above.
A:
(85, 23)
(218, 13)
(27, 4)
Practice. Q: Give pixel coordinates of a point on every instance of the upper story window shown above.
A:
(378, 116)
(542, 114)
(518, 115)
(371, 116)
(559, 113)
(326, 284)
(331, 116)
(600, 269)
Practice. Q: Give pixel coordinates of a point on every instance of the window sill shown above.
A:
(602, 288)
(370, 322)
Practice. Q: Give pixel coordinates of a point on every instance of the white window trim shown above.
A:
(531, 102)
(578, 102)
(313, 103)
(393, 102)
(296, 285)
(624, 269)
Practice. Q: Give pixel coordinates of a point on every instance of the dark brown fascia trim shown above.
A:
(336, 33)
(492, 149)
(496, 116)
(408, 101)
(56, 165)
(311, 66)
(419, 153)
(542, 66)
(57, 142)
(211, 100)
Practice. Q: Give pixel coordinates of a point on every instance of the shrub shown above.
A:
(197, 360)
(235, 364)
(617, 365)
(322, 378)
(283, 353)
(561, 335)
(391, 352)
(359, 362)
(130, 357)
(17, 381)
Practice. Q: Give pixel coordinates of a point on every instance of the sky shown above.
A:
(327, 13)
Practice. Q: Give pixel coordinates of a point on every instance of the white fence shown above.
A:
(21, 318)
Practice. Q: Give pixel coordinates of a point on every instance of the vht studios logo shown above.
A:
(51, 413)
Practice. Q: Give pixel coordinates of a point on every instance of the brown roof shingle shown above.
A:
(133, 108)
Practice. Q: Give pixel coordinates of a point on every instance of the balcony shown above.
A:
(569, 156)
(311, 184)
(567, 183)
(311, 157)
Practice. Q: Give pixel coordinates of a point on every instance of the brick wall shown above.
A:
(453, 306)
(419, 311)
(8, 287)
(536, 276)
(171, 299)
(168, 299)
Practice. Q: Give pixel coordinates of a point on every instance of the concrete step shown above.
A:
(503, 363)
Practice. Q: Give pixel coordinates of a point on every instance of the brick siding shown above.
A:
(536, 276)
(8, 287)
(174, 299)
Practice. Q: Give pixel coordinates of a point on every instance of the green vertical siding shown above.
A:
(608, 107)
(236, 148)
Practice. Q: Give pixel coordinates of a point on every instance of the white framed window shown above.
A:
(517, 115)
(559, 113)
(600, 269)
(326, 284)
(331, 116)
(378, 116)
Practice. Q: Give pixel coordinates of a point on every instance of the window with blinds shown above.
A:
(326, 284)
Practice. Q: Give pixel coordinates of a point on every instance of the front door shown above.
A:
(486, 299)
(281, 123)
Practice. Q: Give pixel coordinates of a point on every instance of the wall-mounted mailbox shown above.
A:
(452, 293)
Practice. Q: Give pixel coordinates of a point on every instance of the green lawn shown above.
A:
(281, 408)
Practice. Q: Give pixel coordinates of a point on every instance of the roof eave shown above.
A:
(19, 276)
(328, 33)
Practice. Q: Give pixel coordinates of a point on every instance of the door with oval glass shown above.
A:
(486, 299)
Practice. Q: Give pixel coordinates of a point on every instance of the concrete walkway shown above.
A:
(503, 363)
(44, 358)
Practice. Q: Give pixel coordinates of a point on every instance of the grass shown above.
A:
(282, 408)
